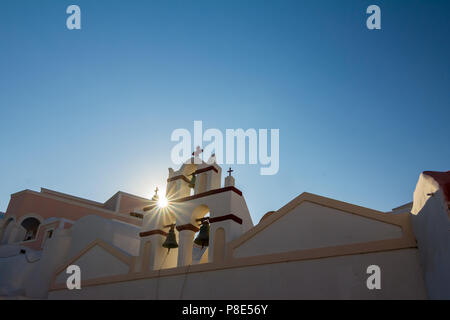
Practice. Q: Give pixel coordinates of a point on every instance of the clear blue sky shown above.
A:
(361, 113)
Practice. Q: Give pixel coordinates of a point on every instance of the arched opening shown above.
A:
(31, 226)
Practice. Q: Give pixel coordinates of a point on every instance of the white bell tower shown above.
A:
(228, 217)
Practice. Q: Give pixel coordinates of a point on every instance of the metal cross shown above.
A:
(197, 151)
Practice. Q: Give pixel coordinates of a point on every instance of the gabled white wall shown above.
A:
(90, 228)
(331, 278)
(96, 263)
(310, 226)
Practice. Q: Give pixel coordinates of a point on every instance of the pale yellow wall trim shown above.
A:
(309, 254)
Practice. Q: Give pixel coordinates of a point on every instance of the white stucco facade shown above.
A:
(311, 248)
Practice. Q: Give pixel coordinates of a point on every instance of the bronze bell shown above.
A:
(171, 239)
(203, 236)
(192, 182)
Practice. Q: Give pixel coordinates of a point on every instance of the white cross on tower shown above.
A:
(198, 150)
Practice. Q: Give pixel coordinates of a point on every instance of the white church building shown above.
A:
(203, 244)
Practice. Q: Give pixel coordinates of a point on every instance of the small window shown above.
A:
(48, 235)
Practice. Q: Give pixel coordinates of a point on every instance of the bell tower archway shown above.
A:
(228, 212)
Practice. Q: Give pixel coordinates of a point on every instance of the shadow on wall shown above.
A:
(432, 230)
(17, 264)
(90, 228)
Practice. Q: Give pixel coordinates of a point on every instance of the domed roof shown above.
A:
(268, 213)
